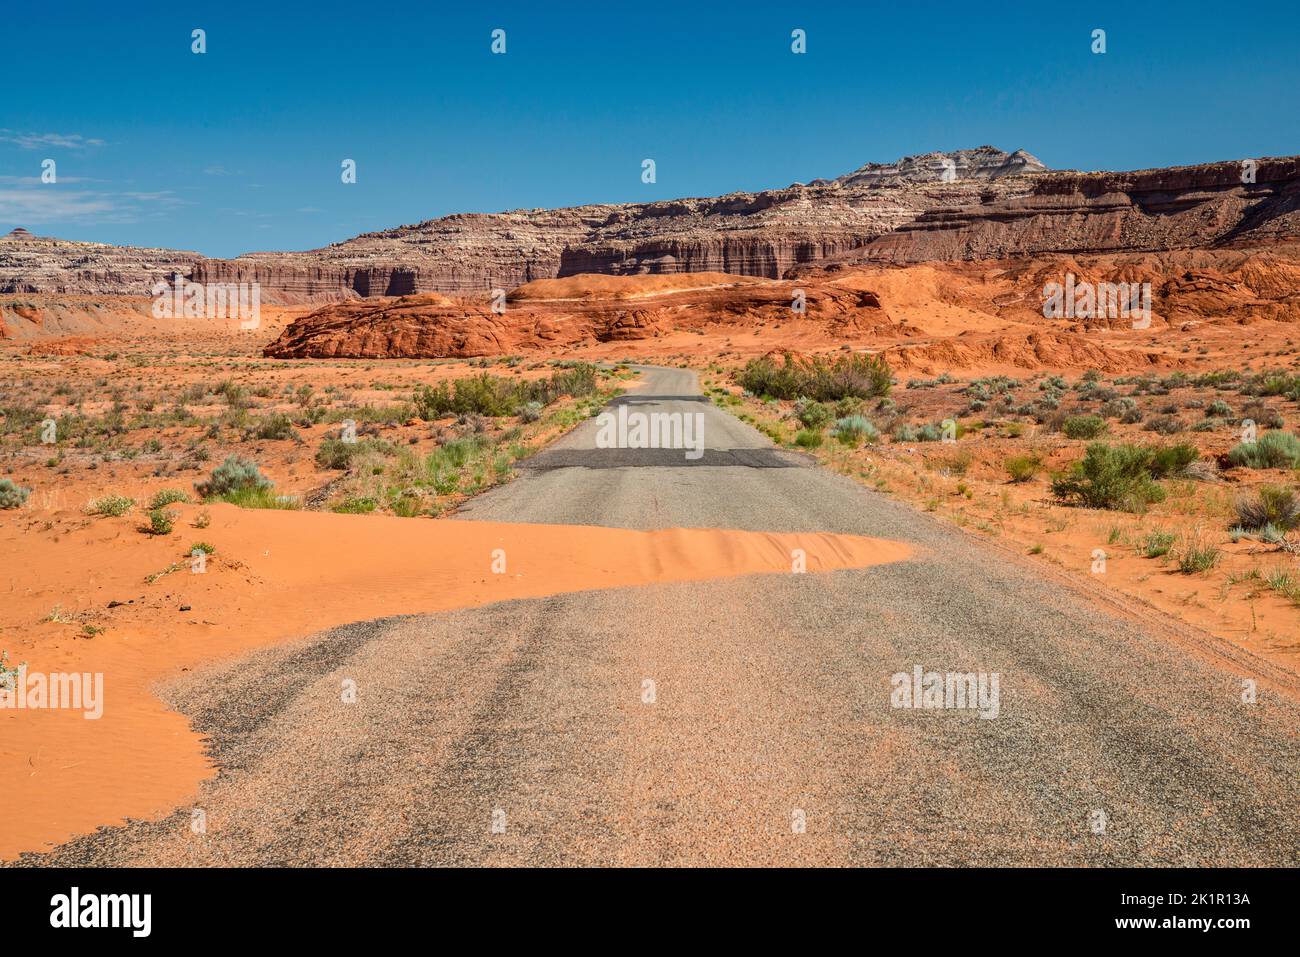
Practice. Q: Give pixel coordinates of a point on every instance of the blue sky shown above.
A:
(239, 149)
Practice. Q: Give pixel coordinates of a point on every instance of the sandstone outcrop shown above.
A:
(431, 326)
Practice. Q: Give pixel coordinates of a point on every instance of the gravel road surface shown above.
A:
(744, 721)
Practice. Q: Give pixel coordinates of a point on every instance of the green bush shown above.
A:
(260, 497)
(12, 495)
(356, 506)
(1022, 468)
(1164, 425)
(1270, 505)
(1110, 477)
(167, 496)
(235, 474)
(1198, 557)
(1171, 460)
(275, 426)
(808, 438)
(337, 454)
(813, 414)
(1157, 544)
(496, 396)
(1273, 450)
(826, 380)
(855, 430)
(1083, 426)
(160, 522)
(111, 505)
(853, 405)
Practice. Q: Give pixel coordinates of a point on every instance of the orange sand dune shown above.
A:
(275, 576)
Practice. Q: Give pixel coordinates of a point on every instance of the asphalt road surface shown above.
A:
(524, 732)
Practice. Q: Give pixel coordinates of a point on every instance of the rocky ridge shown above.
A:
(964, 205)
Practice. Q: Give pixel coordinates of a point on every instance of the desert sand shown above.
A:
(275, 576)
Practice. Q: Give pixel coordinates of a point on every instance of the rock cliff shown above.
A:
(965, 205)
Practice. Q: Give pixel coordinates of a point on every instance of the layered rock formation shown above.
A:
(430, 325)
(756, 234)
(965, 205)
(41, 264)
(1178, 208)
(748, 234)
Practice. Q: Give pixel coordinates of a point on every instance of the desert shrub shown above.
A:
(903, 432)
(1218, 409)
(1171, 460)
(530, 411)
(167, 496)
(957, 463)
(205, 547)
(405, 503)
(1198, 557)
(1164, 424)
(111, 505)
(355, 506)
(1117, 407)
(160, 522)
(1262, 415)
(236, 395)
(233, 475)
(825, 380)
(855, 430)
(1270, 505)
(1083, 426)
(808, 438)
(12, 495)
(277, 425)
(1110, 477)
(813, 414)
(1273, 382)
(260, 497)
(929, 433)
(337, 454)
(491, 395)
(854, 405)
(1022, 468)
(1158, 544)
(1272, 450)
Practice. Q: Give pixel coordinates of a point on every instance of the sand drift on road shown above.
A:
(276, 576)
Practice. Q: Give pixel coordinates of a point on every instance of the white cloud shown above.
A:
(54, 204)
(33, 141)
(50, 205)
(36, 180)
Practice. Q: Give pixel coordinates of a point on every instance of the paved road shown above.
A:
(771, 738)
